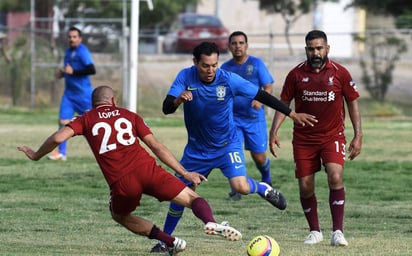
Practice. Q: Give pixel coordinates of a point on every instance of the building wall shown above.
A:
(331, 17)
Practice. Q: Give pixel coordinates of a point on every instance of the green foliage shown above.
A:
(17, 73)
(285, 7)
(290, 11)
(162, 15)
(93, 8)
(404, 20)
(18, 68)
(401, 10)
(14, 5)
(379, 63)
(391, 7)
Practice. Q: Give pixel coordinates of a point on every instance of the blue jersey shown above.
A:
(255, 71)
(78, 58)
(209, 116)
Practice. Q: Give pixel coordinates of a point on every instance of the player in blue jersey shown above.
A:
(78, 66)
(207, 94)
(249, 116)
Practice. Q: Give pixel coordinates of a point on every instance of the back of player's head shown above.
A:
(237, 33)
(102, 94)
(206, 48)
(315, 34)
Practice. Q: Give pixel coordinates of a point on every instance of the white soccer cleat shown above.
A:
(179, 245)
(56, 156)
(338, 239)
(231, 234)
(314, 237)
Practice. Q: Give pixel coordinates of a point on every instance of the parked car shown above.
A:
(189, 29)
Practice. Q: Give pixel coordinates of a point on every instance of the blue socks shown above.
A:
(265, 171)
(63, 145)
(256, 187)
(172, 218)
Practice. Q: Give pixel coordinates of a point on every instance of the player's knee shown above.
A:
(119, 218)
(63, 122)
(242, 189)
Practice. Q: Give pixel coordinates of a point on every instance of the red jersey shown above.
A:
(322, 95)
(112, 134)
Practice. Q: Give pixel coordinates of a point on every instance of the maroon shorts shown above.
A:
(150, 179)
(310, 156)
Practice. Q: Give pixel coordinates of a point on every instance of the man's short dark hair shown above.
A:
(206, 48)
(76, 29)
(315, 34)
(237, 33)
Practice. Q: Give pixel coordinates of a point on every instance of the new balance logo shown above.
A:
(338, 202)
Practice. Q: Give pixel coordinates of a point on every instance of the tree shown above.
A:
(14, 6)
(163, 13)
(379, 63)
(401, 10)
(290, 10)
(385, 48)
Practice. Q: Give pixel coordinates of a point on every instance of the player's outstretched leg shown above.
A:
(224, 230)
(172, 218)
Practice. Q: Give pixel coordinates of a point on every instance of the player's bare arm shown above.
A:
(166, 156)
(48, 145)
(274, 140)
(355, 145)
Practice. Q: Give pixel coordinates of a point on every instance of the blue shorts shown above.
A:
(74, 104)
(229, 159)
(253, 133)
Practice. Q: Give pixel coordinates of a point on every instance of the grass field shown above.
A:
(61, 208)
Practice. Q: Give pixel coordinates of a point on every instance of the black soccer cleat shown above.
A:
(275, 197)
(159, 248)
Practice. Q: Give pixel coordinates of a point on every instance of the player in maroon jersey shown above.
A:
(320, 87)
(113, 135)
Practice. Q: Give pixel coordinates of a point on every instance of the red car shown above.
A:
(191, 29)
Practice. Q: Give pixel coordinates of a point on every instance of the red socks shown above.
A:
(337, 207)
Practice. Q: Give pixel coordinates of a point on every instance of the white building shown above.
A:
(332, 18)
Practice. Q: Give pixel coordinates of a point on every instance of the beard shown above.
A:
(317, 61)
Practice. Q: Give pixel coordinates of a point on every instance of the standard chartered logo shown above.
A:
(331, 96)
(318, 96)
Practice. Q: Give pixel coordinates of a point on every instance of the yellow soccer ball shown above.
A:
(263, 245)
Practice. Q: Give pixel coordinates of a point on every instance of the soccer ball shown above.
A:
(263, 245)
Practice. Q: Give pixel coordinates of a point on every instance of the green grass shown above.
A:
(61, 208)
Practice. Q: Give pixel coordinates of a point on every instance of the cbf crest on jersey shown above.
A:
(220, 92)
(249, 70)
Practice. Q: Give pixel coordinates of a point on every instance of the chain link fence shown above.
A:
(107, 43)
(30, 59)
